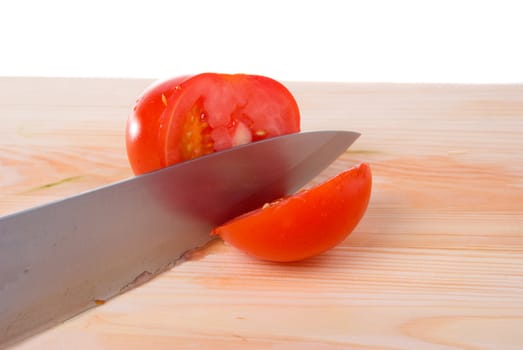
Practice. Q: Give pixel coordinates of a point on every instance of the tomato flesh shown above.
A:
(196, 137)
(305, 224)
(187, 117)
(213, 112)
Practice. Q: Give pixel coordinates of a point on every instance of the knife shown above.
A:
(65, 257)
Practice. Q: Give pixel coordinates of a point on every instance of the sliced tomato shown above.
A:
(305, 224)
(187, 117)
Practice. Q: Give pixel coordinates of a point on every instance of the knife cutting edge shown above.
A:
(62, 258)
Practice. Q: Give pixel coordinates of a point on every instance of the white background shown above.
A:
(367, 40)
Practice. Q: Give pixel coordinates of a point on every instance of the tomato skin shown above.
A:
(305, 224)
(186, 117)
(144, 147)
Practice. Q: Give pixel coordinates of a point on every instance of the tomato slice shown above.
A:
(188, 117)
(305, 224)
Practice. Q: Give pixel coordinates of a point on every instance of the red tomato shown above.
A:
(187, 117)
(305, 224)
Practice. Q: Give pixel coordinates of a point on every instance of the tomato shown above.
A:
(190, 116)
(305, 224)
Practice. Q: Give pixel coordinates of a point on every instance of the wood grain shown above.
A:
(436, 263)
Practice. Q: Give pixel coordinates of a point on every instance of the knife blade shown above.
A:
(62, 258)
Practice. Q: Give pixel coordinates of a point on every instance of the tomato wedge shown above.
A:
(190, 116)
(305, 224)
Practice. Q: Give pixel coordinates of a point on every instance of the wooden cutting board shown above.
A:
(436, 263)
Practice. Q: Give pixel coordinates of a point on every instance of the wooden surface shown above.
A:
(436, 263)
